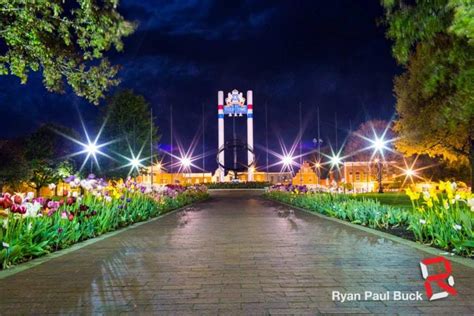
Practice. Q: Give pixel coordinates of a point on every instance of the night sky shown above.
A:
(329, 54)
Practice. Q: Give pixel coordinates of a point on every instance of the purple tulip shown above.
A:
(69, 179)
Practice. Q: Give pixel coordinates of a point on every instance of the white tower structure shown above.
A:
(250, 151)
(220, 120)
(235, 106)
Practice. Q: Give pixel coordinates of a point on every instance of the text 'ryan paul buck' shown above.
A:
(376, 296)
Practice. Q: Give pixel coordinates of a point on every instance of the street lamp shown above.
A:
(91, 149)
(185, 162)
(378, 144)
(379, 174)
(135, 163)
(317, 143)
(410, 172)
(335, 160)
(287, 160)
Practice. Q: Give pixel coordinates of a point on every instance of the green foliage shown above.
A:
(24, 238)
(366, 212)
(435, 95)
(64, 40)
(128, 123)
(444, 223)
(396, 199)
(238, 185)
(463, 20)
(46, 153)
(13, 165)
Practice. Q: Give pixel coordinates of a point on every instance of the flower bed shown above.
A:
(35, 226)
(442, 219)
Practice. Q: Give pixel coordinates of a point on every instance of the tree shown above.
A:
(13, 165)
(66, 40)
(47, 154)
(358, 146)
(128, 122)
(434, 40)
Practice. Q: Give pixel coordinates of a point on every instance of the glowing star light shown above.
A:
(92, 148)
(335, 160)
(185, 162)
(410, 172)
(287, 160)
(135, 162)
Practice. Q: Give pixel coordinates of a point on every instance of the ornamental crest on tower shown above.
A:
(235, 98)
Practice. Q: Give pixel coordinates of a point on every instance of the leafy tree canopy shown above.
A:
(13, 165)
(66, 40)
(129, 123)
(48, 155)
(434, 40)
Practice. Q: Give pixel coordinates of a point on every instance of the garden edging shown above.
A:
(45, 258)
(458, 259)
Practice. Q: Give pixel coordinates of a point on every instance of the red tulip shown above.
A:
(7, 203)
(17, 199)
(70, 201)
(71, 217)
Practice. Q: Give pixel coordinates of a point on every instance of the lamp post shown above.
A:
(335, 161)
(92, 150)
(317, 143)
(185, 164)
(379, 145)
(287, 161)
(378, 161)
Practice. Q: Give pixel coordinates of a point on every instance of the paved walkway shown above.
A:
(234, 254)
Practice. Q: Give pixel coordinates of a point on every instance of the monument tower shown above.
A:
(235, 107)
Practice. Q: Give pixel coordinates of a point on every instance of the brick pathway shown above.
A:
(234, 254)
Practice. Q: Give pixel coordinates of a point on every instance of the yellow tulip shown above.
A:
(429, 203)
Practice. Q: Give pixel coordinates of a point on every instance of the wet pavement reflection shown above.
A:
(236, 253)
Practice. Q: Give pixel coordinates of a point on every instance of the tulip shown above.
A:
(70, 201)
(17, 199)
(71, 217)
(69, 179)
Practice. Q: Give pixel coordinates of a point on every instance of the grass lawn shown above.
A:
(399, 199)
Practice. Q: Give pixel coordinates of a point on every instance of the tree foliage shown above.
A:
(66, 40)
(128, 122)
(434, 40)
(13, 165)
(47, 153)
